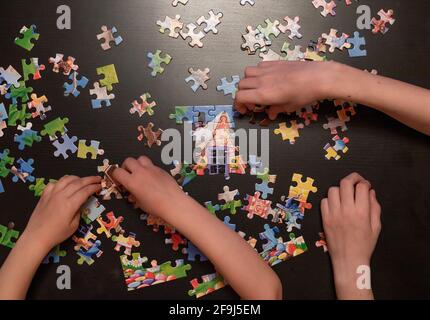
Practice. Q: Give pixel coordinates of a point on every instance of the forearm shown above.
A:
(406, 103)
(232, 257)
(19, 268)
(345, 279)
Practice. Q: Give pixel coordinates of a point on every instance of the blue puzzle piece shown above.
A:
(269, 235)
(1, 187)
(87, 256)
(254, 164)
(97, 103)
(72, 88)
(26, 138)
(25, 167)
(68, 144)
(229, 87)
(264, 189)
(208, 112)
(193, 252)
(3, 112)
(232, 226)
(357, 42)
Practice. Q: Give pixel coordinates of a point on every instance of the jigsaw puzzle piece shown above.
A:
(110, 76)
(108, 35)
(8, 236)
(32, 68)
(102, 96)
(68, 144)
(27, 35)
(156, 61)
(55, 126)
(199, 78)
(93, 149)
(229, 87)
(74, 85)
(152, 137)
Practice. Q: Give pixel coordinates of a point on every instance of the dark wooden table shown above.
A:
(393, 157)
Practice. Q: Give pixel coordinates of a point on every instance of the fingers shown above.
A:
(63, 182)
(248, 83)
(273, 111)
(84, 193)
(131, 165)
(362, 196)
(77, 185)
(48, 189)
(347, 188)
(240, 107)
(334, 199)
(375, 212)
(252, 72)
(144, 161)
(266, 64)
(123, 177)
(250, 96)
(325, 210)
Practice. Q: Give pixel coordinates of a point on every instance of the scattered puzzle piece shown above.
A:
(171, 24)
(199, 77)
(229, 87)
(102, 96)
(55, 126)
(289, 133)
(196, 37)
(68, 144)
(156, 60)
(211, 22)
(32, 68)
(27, 35)
(66, 66)
(110, 76)
(327, 7)
(108, 35)
(27, 137)
(143, 107)
(126, 242)
(150, 135)
(8, 236)
(72, 87)
(333, 152)
(54, 255)
(93, 149)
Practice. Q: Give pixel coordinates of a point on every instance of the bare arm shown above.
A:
(288, 86)
(402, 101)
(47, 227)
(157, 193)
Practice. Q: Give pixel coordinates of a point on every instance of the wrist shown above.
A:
(335, 77)
(35, 243)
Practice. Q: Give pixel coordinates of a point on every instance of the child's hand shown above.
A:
(153, 188)
(56, 216)
(352, 222)
(285, 86)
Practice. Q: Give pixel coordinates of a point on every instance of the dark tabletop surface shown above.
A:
(393, 157)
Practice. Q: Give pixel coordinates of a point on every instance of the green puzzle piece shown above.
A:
(232, 205)
(54, 126)
(21, 92)
(16, 115)
(5, 160)
(110, 76)
(179, 271)
(202, 288)
(7, 236)
(156, 60)
(39, 186)
(27, 34)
